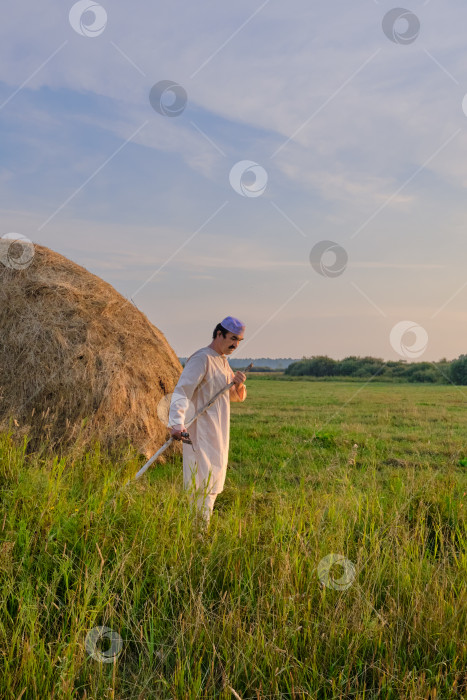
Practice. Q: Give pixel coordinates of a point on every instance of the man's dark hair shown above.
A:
(220, 328)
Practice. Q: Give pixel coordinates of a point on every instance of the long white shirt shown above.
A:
(204, 374)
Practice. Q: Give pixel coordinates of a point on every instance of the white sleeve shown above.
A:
(190, 378)
(234, 395)
(233, 389)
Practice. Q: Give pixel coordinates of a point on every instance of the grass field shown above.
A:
(255, 608)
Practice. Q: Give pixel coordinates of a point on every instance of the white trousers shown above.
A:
(199, 490)
(205, 504)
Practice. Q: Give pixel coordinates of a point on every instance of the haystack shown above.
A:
(78, 362)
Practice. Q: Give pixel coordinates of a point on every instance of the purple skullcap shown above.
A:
(234, 325)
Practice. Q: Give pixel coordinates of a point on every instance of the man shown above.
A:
(205, 373)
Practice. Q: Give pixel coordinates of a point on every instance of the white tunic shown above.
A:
(204, 374)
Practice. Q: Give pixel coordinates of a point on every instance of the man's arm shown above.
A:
(238, 390)
(190, 378)
(238, 393)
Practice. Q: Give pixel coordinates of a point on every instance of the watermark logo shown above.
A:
(400, 339)
(328, 258)
(324, 572)
(88, 18)
(168, 98)
(464, 105)
(248, 178)
(16, 251)
(401, 26)
(95, 637)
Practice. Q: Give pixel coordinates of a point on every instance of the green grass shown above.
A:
(241, 610)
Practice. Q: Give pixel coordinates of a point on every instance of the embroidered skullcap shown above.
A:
(234, 325)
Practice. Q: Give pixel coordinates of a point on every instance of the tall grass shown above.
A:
(242, 610)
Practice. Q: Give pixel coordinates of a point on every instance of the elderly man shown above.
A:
(205, 373)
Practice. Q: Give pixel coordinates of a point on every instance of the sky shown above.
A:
(298, 165)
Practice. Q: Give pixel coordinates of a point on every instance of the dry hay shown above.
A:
(79, 363)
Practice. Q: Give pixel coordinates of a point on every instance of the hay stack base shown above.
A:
(79, 363)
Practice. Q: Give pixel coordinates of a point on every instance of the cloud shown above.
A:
(369, 134)
(261, 79)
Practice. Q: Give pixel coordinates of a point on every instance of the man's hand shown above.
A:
(239, 378)
(176, 432)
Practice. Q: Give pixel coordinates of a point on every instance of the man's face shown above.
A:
(230, 342)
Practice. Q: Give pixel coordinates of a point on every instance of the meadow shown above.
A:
(370, 475)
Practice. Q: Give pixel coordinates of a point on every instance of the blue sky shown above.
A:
(362, 139)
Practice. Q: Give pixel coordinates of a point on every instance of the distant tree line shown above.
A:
(260, 364)
(442, 372)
